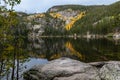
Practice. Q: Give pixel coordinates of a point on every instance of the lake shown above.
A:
(15, 59)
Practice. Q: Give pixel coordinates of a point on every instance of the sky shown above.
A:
(40, 6)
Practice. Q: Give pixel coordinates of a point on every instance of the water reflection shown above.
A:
(80, 49)
(17, 57)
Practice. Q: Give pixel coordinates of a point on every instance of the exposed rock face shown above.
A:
(110, 71)
(53, 20)
(39, 22)
(63, 69)
(68, 69)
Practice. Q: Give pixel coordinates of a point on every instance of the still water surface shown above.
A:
(15, 60)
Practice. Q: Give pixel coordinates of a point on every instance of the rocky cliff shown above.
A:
(53, 22)
(71, 19)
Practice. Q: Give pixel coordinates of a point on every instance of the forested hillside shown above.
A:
(99, 20)
(102, 19)
(71, 19)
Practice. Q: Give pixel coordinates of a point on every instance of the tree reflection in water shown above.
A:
(18, 55)
(12, 56)
(80, 49)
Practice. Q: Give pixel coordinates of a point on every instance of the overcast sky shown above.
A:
(39, 6)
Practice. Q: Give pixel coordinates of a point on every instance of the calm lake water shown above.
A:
(14, 60)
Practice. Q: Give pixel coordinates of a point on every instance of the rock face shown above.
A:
(38, 24)
(68, 69)
(110, 71)
(56, 20)
(63, 69)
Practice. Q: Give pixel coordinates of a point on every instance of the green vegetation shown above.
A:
(13, 33)
(11, 23)
(99, 20)
(73, 7)
(102, 19)
(14, 50)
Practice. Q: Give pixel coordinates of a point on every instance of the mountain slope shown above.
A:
(100, 19)
(79, 19)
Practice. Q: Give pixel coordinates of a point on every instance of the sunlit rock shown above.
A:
(110, 71)
(63, 69)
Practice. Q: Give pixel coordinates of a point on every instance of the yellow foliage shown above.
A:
(73, 51)
(40, 15)
(73, 20)
(10, 47)
(56, 15)
(42, 56)
(55, 56)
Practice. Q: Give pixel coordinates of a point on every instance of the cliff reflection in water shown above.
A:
(80, 49)
(17, 57)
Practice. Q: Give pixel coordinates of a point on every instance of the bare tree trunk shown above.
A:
(7, 77)
(13, 67)
(18, 66)
(1, 67)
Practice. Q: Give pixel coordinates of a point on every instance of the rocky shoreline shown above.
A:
(69, 69)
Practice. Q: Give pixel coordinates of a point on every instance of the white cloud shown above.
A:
(32, 6)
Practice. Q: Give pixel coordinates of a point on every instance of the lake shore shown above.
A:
(89, 36)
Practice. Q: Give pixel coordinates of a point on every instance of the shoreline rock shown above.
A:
(69, 69)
